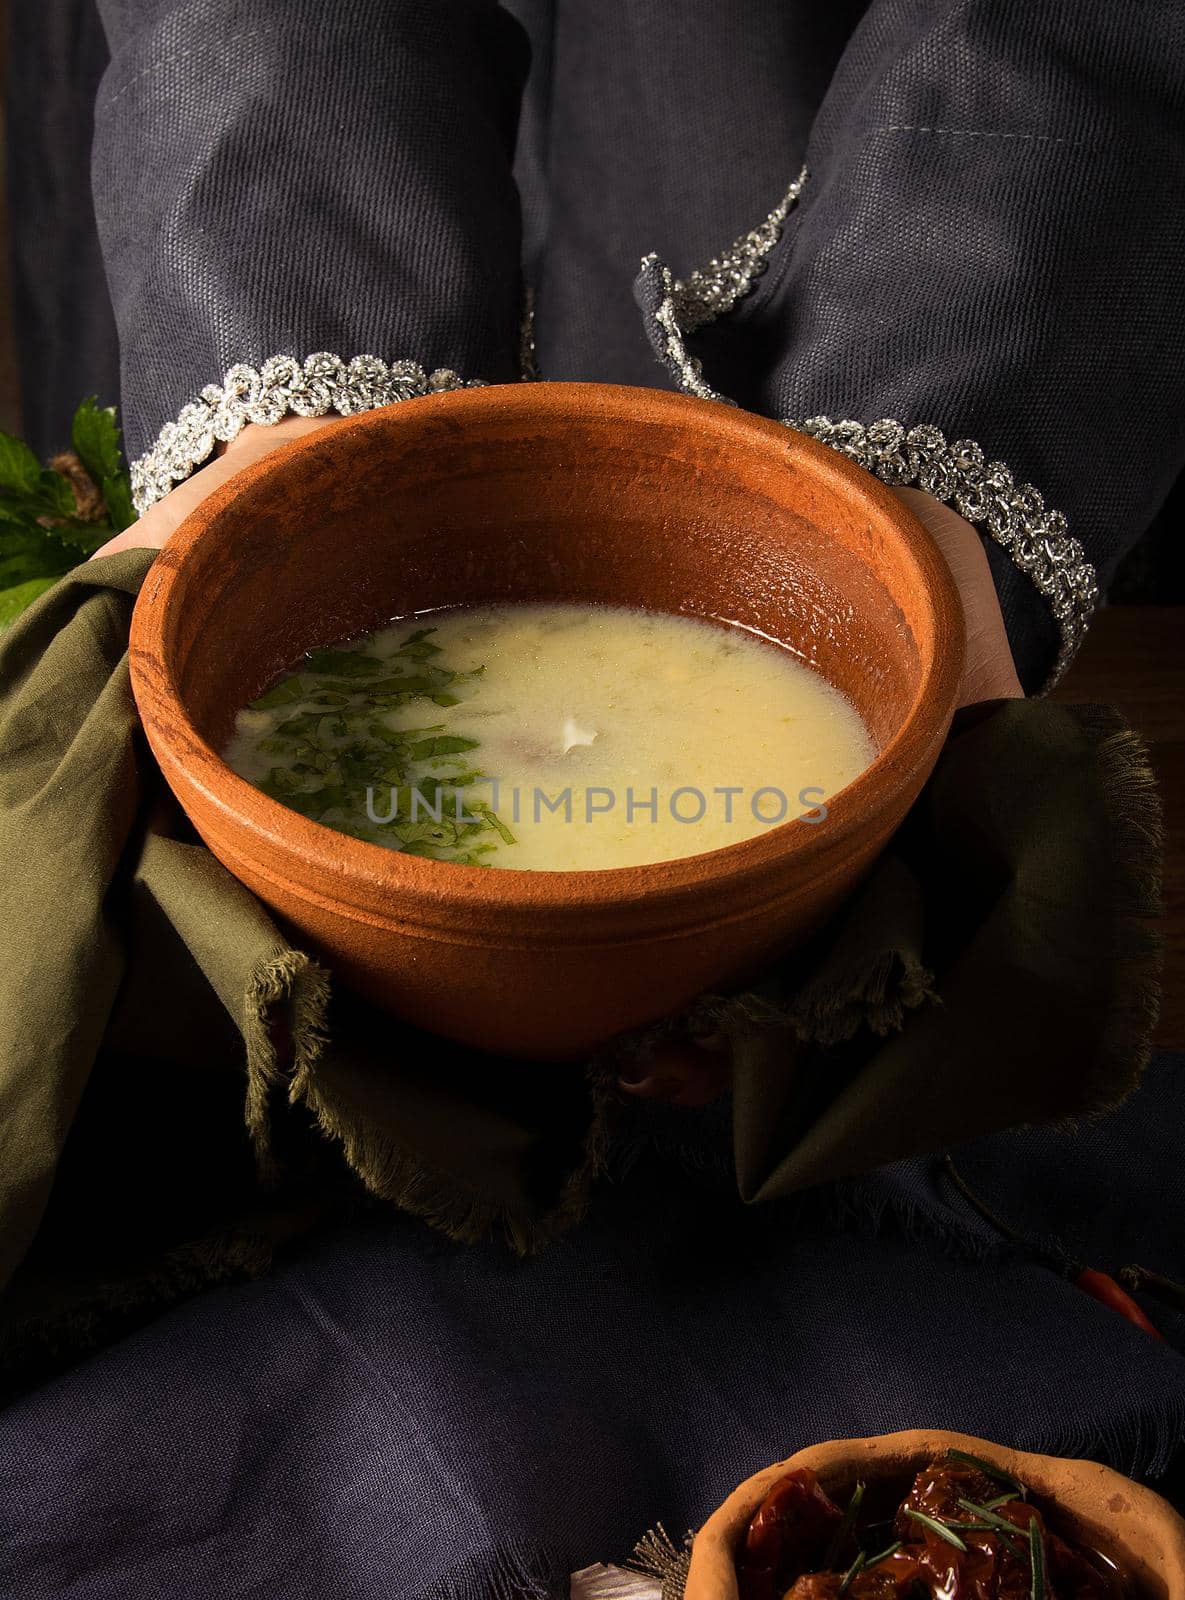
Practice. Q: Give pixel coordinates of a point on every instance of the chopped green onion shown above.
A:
(444, 744)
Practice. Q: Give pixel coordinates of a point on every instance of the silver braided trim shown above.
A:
(692, 302)
(686, 368)
(710, 291)
(528, 359)
(313, 388)
(985, 493)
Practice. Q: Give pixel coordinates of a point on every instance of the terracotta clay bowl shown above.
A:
(1092, 1506)
(564, 492)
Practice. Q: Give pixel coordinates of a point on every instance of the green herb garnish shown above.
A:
(855, 1567)
(95, 437)
(445, 744)
(988, 1522)
(497, 824)
(988, 1515)
(335, 745)
(990, 1471)
(883, 1555)
(843, 1531)
(52, 518)
(940, 1528)
(1037, 1560)
(344, 663)
(987, 1527)
(281, 694)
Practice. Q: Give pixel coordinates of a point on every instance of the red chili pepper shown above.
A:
(1099, 1285)
(1103, 1288)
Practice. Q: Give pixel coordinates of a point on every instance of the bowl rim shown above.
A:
(289, 834)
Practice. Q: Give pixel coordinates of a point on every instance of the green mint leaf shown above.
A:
(445, 744)
(82, 537)
(344, 663)
(422, 684)
(55, 494)
(281, 694)
(95, 437)
(19, 514)
(117, 497)
(27, 553)
(495, 821)
(20, 470)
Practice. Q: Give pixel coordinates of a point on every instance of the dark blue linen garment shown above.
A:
(990, 240)
(392, 1417)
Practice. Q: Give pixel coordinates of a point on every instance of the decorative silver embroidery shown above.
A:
(686, 368)
(710, 291)
(985, 493)
(528, 359)
(321, 383)
(982, 491)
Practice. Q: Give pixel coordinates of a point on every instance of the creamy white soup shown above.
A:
(555, 737)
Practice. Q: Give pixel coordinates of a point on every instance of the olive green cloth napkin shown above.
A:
(182, 1091)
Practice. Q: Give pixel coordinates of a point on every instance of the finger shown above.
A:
(989, 672)
(681, 1072)
(158, 524)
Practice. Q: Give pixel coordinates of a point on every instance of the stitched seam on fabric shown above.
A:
(978, 133)
(183, 55)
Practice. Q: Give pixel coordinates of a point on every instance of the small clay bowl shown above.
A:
(564, 492)
(1091, 1505)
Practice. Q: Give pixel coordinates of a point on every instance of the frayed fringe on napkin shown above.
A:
(285, 1032)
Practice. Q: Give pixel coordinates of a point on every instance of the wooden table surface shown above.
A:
(1134, 658)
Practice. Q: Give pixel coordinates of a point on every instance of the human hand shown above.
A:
(989, 672)
(154, 529)
(691, 1072)
(683, 1072)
